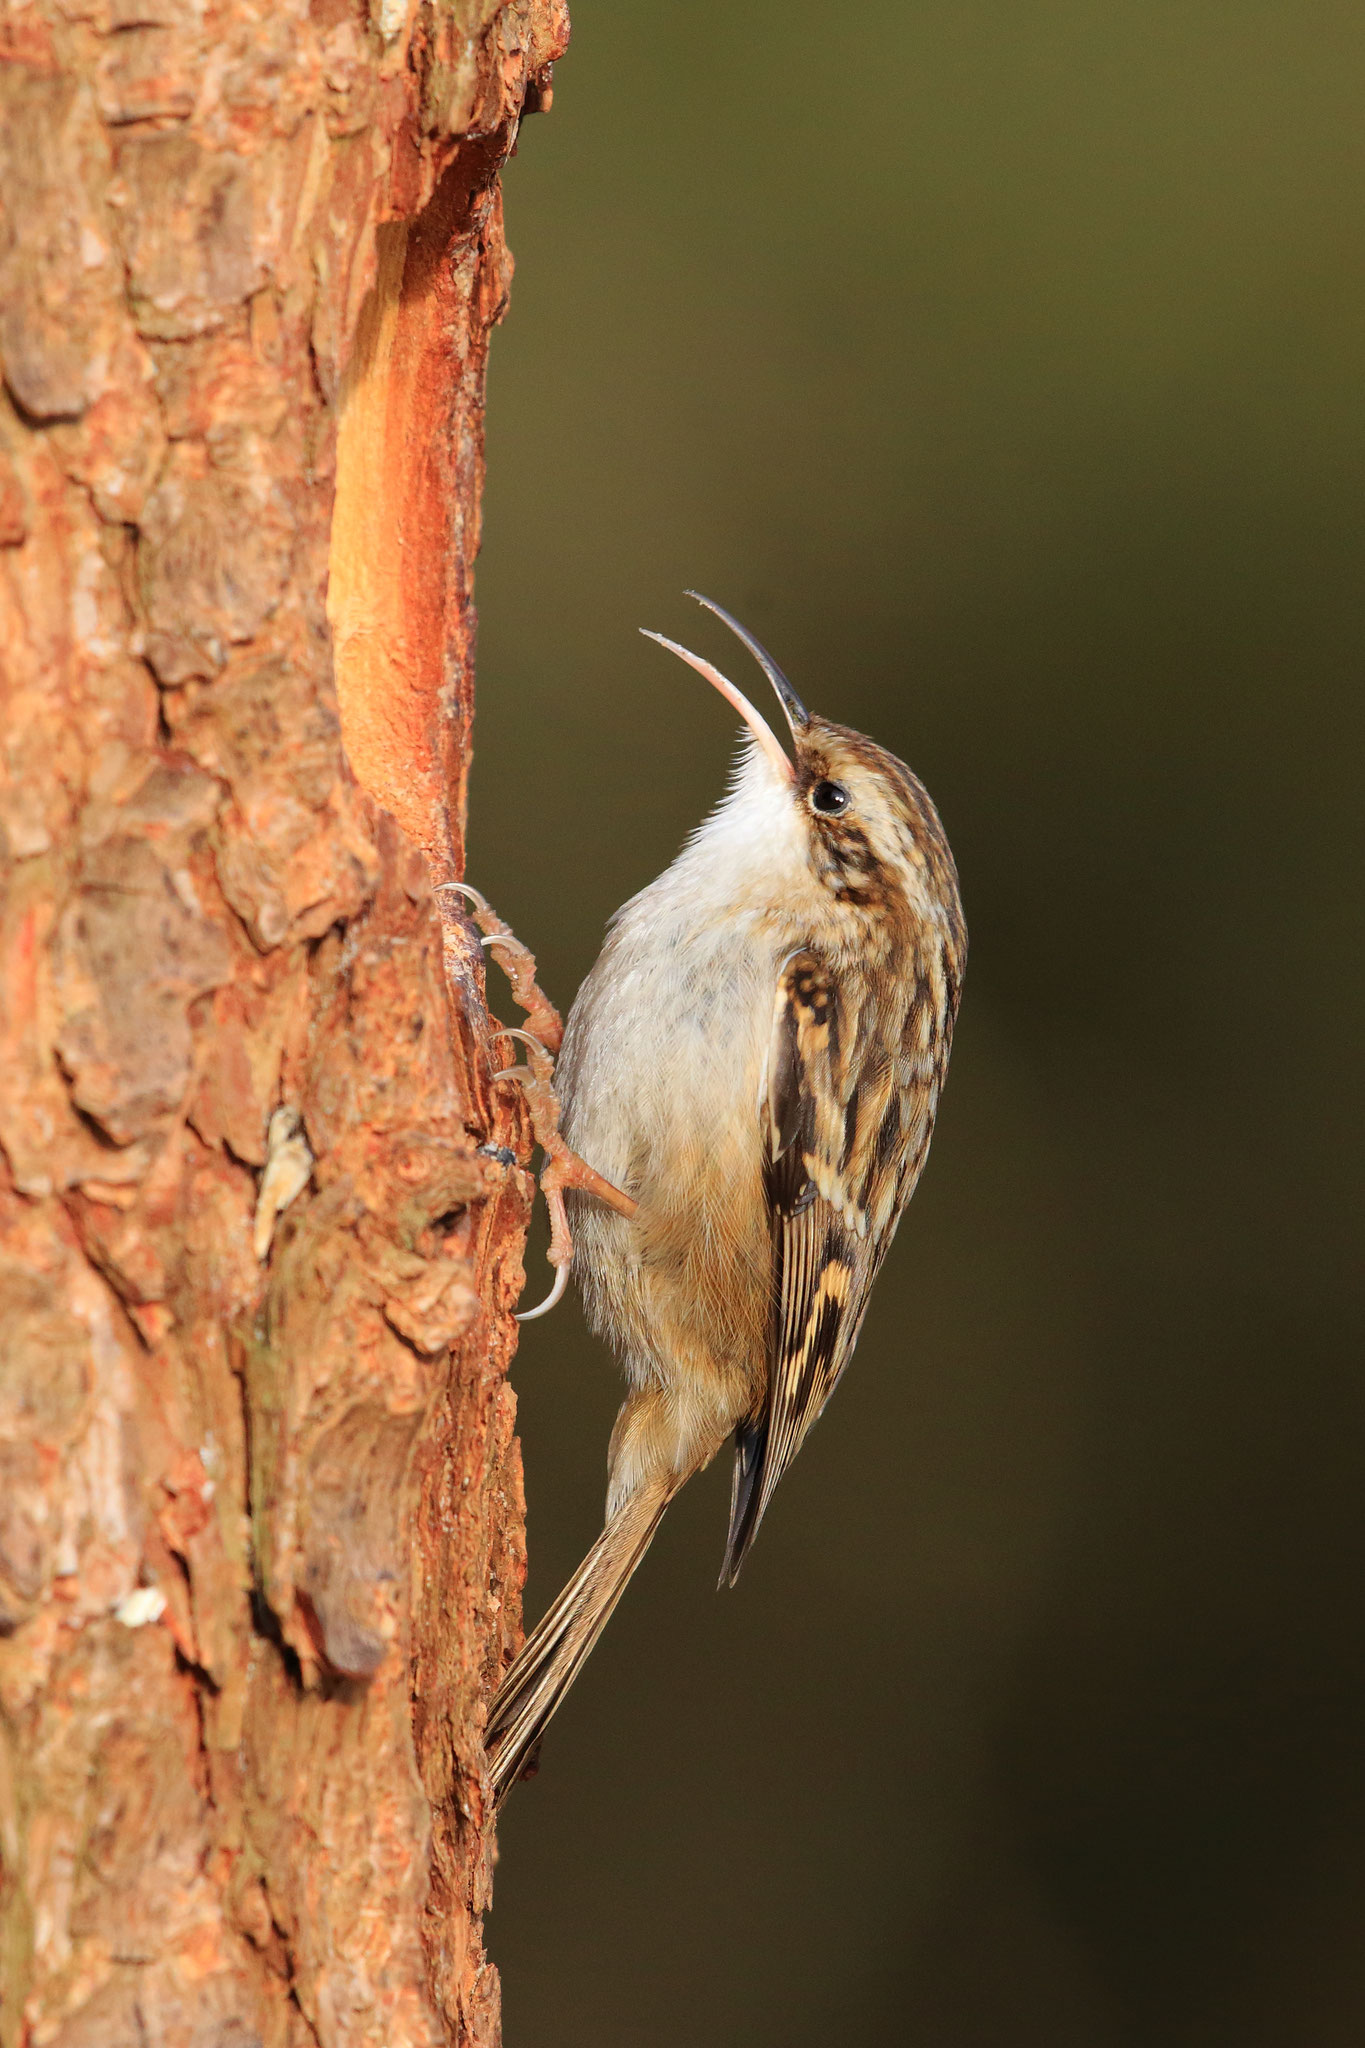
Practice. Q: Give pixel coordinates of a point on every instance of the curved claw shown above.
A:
(526, 1037)
(509, 1074)
(466, 889)
(555, 1295)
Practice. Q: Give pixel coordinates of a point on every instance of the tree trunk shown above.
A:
(260, 1230)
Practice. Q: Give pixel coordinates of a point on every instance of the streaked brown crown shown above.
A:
(887, 850)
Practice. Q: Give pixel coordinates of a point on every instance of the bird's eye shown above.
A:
(829, 798)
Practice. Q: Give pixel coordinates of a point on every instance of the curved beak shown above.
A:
(758, 726)
(795, 712)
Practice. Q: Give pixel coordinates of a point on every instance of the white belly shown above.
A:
(660, 1077)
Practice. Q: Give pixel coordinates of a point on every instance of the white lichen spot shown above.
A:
(182, 881)
(136, 1609)
(288, 1164)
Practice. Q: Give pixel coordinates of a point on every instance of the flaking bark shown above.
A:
(260, 1519)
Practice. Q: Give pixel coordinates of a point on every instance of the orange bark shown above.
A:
(260, 1505)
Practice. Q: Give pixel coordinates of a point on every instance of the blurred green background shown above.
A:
(1002, 367)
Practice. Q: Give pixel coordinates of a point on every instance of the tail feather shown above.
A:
(558, 1647)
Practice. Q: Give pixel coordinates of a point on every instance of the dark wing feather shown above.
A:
(833, 1118)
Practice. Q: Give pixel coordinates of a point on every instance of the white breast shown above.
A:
(661, 1076)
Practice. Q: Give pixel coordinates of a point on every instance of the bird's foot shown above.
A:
(562, 1169)
(542, 1037)
(518, 963)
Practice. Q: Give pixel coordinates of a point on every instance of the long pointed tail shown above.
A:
(557, 1649)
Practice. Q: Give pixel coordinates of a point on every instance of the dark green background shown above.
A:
(1002, 367)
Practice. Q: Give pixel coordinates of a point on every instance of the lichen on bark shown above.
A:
(260, 1518)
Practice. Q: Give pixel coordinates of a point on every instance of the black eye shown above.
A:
(829, 798)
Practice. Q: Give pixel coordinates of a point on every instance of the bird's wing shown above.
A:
(836, 1117)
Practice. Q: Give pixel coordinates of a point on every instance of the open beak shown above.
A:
(794, 710)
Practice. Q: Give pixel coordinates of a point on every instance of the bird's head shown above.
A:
(865, 826)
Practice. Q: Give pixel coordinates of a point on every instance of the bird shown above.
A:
(755, 1062)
